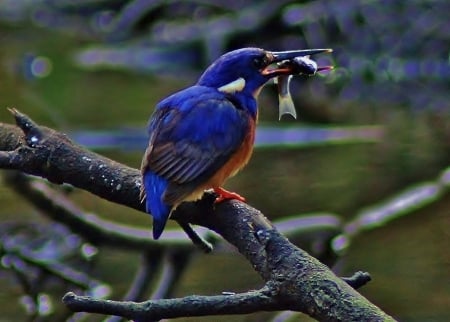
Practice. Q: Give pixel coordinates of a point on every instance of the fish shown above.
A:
(302, 65)
(285, 103)
(306, 66)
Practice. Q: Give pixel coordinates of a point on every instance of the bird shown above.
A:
(204, 134)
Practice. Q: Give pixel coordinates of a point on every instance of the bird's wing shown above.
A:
(191, 141)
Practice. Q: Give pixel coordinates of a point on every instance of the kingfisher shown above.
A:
(204, 134)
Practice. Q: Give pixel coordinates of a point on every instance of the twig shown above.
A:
(358, 279)
(193, 305)
(200, 242)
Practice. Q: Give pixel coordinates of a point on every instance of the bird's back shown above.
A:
(198, 138)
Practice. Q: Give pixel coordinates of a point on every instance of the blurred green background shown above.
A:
(89, 66)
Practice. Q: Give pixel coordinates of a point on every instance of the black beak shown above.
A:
(279, 56)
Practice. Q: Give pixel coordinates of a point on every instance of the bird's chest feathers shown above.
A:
(242, 156)
(238, 160)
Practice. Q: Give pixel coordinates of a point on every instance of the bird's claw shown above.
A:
(223, 195)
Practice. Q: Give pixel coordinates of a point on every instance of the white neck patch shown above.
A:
(233, 87)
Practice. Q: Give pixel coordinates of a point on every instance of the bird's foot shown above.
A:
(223, 195)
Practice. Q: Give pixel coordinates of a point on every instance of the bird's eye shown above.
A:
(260, 62)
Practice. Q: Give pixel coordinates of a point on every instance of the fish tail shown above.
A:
(286, 106)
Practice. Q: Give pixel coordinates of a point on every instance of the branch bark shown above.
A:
(193, 305)
(294, 280)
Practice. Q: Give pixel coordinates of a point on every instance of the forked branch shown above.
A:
(293, 279)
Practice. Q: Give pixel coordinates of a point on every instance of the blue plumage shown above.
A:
(204, 134)
(155, 186)
(189, 142)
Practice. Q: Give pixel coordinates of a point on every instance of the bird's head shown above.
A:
(246, 70)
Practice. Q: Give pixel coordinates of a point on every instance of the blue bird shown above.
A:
(204, 134)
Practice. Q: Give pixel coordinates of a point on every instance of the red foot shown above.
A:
(223, 195)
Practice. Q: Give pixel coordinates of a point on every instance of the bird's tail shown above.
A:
(155, 187)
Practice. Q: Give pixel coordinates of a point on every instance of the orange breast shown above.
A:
(237, 161)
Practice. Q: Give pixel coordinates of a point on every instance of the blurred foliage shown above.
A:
(386, 54)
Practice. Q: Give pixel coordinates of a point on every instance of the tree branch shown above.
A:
(94, 229)
(193, 305)
(52, 155)
(294, 280)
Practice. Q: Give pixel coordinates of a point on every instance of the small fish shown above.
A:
(285, 103)
(303, 65)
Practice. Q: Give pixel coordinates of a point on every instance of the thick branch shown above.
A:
(294, 279)
(52, 155)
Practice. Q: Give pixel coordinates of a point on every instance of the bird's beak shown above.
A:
(279, 56)
(285, 69)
